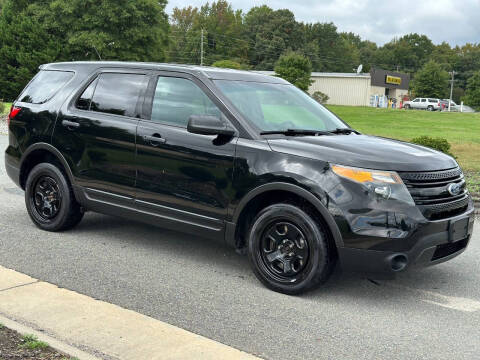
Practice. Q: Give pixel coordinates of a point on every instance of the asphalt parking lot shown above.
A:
(206, 288)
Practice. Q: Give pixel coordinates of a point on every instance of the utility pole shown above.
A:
(201, 50)
(453, 73)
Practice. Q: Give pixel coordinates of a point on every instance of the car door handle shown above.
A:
(70, 124)
(154, 139)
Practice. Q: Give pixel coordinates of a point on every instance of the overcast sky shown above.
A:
(456, 22)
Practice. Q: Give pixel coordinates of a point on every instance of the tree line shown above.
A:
(39, 31)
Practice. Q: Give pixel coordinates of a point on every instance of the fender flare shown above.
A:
(54, 151)
(297, 190)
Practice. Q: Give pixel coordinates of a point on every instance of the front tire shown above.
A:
(50, 200)
(289, 250)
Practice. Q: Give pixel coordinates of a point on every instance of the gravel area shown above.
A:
(3, 125)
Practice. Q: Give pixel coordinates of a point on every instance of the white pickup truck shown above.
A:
(429, 104)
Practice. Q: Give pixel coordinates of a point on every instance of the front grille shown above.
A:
(430, 192)
(448, 249)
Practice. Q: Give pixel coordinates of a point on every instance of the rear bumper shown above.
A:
(13, 170)
(430, 249)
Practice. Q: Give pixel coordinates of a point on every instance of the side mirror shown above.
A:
(208, 125)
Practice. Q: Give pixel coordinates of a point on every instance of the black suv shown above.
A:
(237, 156)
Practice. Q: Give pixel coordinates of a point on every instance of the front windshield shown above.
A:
(278, 107)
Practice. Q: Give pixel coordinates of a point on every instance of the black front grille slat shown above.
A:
(429, 190)
(442, 182)
(434, 176)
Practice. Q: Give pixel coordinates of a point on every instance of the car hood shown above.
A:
(365, 151)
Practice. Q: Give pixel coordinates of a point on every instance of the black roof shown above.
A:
(206, 71)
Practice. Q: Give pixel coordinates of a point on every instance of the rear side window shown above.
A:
(117, 94)
(44, 86)
(432, 100)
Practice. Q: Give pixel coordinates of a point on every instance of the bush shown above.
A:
(2, 108)
(229, 64)
(296, 69)
(439, 144)
(320, 97)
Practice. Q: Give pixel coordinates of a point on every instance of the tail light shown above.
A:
(14, 110)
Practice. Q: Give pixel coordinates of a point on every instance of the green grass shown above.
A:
(462, 130)
(31, 342)
(7, 108)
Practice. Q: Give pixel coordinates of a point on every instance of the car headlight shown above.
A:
(384, 184)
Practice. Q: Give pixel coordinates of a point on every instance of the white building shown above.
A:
(364, 89)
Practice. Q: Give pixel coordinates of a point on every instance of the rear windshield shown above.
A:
(44, 86)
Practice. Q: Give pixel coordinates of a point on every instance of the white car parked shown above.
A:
(429, 104)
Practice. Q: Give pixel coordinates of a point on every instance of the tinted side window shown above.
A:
(118, 94)
(44, 86)
(176, 99)
(85, 99)
(424, 100)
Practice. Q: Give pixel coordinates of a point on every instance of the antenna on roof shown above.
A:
(359, 69)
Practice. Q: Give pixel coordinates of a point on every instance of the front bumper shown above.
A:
(432, 246)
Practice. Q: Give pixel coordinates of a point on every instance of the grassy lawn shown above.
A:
(7, 108)
(462, 130)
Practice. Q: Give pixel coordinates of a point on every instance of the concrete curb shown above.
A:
(105, 330)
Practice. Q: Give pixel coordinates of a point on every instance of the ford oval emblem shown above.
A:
(454, 189)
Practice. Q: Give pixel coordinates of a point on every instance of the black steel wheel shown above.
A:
(46, 198)
(50, 200)
(289, 250)
(284, 250)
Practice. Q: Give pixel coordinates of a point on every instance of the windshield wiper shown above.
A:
(296, 132)
(345, 131)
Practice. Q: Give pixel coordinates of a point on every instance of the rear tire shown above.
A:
(289, 250)
(50, 200)
(407, 107)
(430, 108)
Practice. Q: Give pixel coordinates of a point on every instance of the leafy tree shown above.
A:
(229, 64)
(269, 34)
(42, 31)
(467, 63)
(223, 26)
(444, 55)
(133, 30)
(296, 69)
(472, 94)
(327, 49)
(185, 37)
(408, 53)
(24, 45)
(223, 31)
(431, 81)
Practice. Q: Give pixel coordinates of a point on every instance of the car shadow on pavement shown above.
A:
(209, 255)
